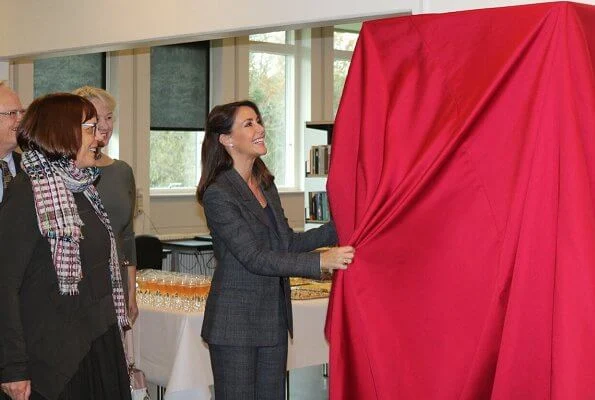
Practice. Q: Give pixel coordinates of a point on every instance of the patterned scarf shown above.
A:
(54, 183)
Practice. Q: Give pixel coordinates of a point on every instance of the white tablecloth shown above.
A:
(169, 349)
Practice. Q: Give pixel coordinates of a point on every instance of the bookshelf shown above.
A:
(317, 139)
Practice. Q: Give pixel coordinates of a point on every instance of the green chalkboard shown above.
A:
(64, 74)
(179, 86)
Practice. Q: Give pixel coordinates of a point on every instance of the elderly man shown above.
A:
(11, 113)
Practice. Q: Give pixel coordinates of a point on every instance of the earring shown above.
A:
(230, 145)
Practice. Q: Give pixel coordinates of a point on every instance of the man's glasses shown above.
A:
(13, 113)
(92, 125)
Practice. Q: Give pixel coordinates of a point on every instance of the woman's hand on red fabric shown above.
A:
(20, 390)
(337, 258)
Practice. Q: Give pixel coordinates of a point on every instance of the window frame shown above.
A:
(339, 55)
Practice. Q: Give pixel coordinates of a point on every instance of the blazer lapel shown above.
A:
(248, 199)
(279, 217)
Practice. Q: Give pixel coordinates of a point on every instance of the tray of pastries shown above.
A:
(312, 290)
(296, 281)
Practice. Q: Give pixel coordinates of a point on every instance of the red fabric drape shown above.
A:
(463, 170)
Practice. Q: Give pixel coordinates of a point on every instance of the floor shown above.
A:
(308, 384)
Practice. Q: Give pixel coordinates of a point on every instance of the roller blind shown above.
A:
(179, 86)
(64, 74)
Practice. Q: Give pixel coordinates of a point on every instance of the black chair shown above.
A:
(149, 252)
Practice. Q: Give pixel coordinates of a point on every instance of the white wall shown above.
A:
(4, 71)
(34, 27)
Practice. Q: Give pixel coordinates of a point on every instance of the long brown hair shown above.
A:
(214, 157)
(52, 125)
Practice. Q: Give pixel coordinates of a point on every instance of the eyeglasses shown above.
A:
(13, 113)
(90, 125)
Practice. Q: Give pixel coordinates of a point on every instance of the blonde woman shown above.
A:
(117, 189)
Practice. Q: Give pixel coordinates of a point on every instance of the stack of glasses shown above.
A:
(172, 290)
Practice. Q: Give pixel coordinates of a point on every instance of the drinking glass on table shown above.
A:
(202, 291)
(162, 295)
(188, 283)
(152, 289)
(172, 291)
(193, 291)
(141, 286)
(177, 291)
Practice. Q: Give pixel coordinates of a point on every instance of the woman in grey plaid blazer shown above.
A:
(248, 312)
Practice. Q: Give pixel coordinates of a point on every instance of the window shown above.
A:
(179, 106)
(64, 74)
(344, 40)
(175, 159)
(272, 85)
(279, 66)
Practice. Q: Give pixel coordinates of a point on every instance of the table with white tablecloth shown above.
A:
(170, 351)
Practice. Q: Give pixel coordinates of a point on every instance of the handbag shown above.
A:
(138, 382)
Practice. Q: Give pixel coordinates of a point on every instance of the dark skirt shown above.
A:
(102, 374)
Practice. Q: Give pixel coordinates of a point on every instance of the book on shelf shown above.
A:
(318, 161)
(318, 207)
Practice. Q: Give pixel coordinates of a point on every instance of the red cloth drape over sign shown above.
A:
(463, 171)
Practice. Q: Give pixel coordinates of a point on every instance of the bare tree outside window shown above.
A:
(175, 159)
(267, 89)
(271, 86)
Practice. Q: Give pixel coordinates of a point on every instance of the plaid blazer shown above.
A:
(254, 259)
